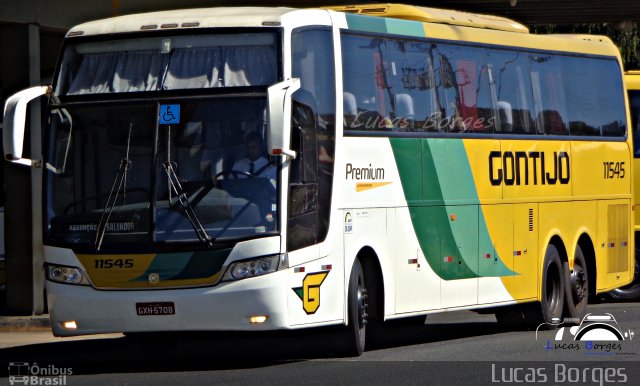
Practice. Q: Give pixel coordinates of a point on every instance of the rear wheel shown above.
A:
(549, 310)
(577, 286)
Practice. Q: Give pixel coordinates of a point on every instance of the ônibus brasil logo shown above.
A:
(24, 373)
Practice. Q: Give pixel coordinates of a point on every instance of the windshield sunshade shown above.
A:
(168, 63)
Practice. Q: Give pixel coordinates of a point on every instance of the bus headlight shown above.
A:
(254, 267)
(64, 274)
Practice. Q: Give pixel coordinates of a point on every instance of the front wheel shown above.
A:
(354, 336)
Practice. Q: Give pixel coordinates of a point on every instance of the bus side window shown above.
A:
(366, 75)
(549, 94)
(312, 137)
(512, 88)
(303, 142)
(413, 83)
(464, 94)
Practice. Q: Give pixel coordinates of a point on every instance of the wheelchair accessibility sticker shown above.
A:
(169, 114)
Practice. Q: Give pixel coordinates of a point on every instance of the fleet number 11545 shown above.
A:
(613, 170)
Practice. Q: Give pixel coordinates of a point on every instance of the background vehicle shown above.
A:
(632, 81)
(426, 163)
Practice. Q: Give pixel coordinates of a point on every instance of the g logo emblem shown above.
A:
(309, 293)
(154, 278)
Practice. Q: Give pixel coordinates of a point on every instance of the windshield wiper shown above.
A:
(120, 181)
(181, 197)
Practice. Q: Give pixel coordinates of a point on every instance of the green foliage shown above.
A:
(627, 40)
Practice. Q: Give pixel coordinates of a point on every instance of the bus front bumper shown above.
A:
(227, 306)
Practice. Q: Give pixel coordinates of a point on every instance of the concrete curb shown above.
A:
(24, 323)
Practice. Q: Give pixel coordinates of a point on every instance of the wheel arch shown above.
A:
(557, 241)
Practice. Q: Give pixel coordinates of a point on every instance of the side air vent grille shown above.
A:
(530, 219)
(617, 238)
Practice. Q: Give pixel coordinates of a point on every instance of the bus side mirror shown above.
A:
(15, 114)
(279, 129)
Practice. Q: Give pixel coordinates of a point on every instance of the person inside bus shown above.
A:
(255, 163)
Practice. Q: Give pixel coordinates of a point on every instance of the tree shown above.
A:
(627, 39)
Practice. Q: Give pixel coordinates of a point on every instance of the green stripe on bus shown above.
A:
(385, 25)
(405, 27)
(186, 265)
(445, 211)
(167, 265)
(458, 186)
(366, 23)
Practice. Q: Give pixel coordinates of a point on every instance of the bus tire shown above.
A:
(354, 336)
(548, 312)
(552, 302)
(576, 286)
(630, 291)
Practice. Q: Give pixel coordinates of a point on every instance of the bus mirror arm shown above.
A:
(279, 128)
(15, 114)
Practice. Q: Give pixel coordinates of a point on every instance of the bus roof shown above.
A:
(183, 19)
(433, 15)
(442, 24)
(257, 16)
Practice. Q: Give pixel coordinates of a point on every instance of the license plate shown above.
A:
(157, 308)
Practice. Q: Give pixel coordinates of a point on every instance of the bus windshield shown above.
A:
(161, 167)
(117, 174)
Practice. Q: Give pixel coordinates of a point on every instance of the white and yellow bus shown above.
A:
(632, 81)
(406, 161)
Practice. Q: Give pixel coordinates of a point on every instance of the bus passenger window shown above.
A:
(412, 73)
(464, 89)
(593, 105)
(549, 94)
(512, 85)
(366, 75)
